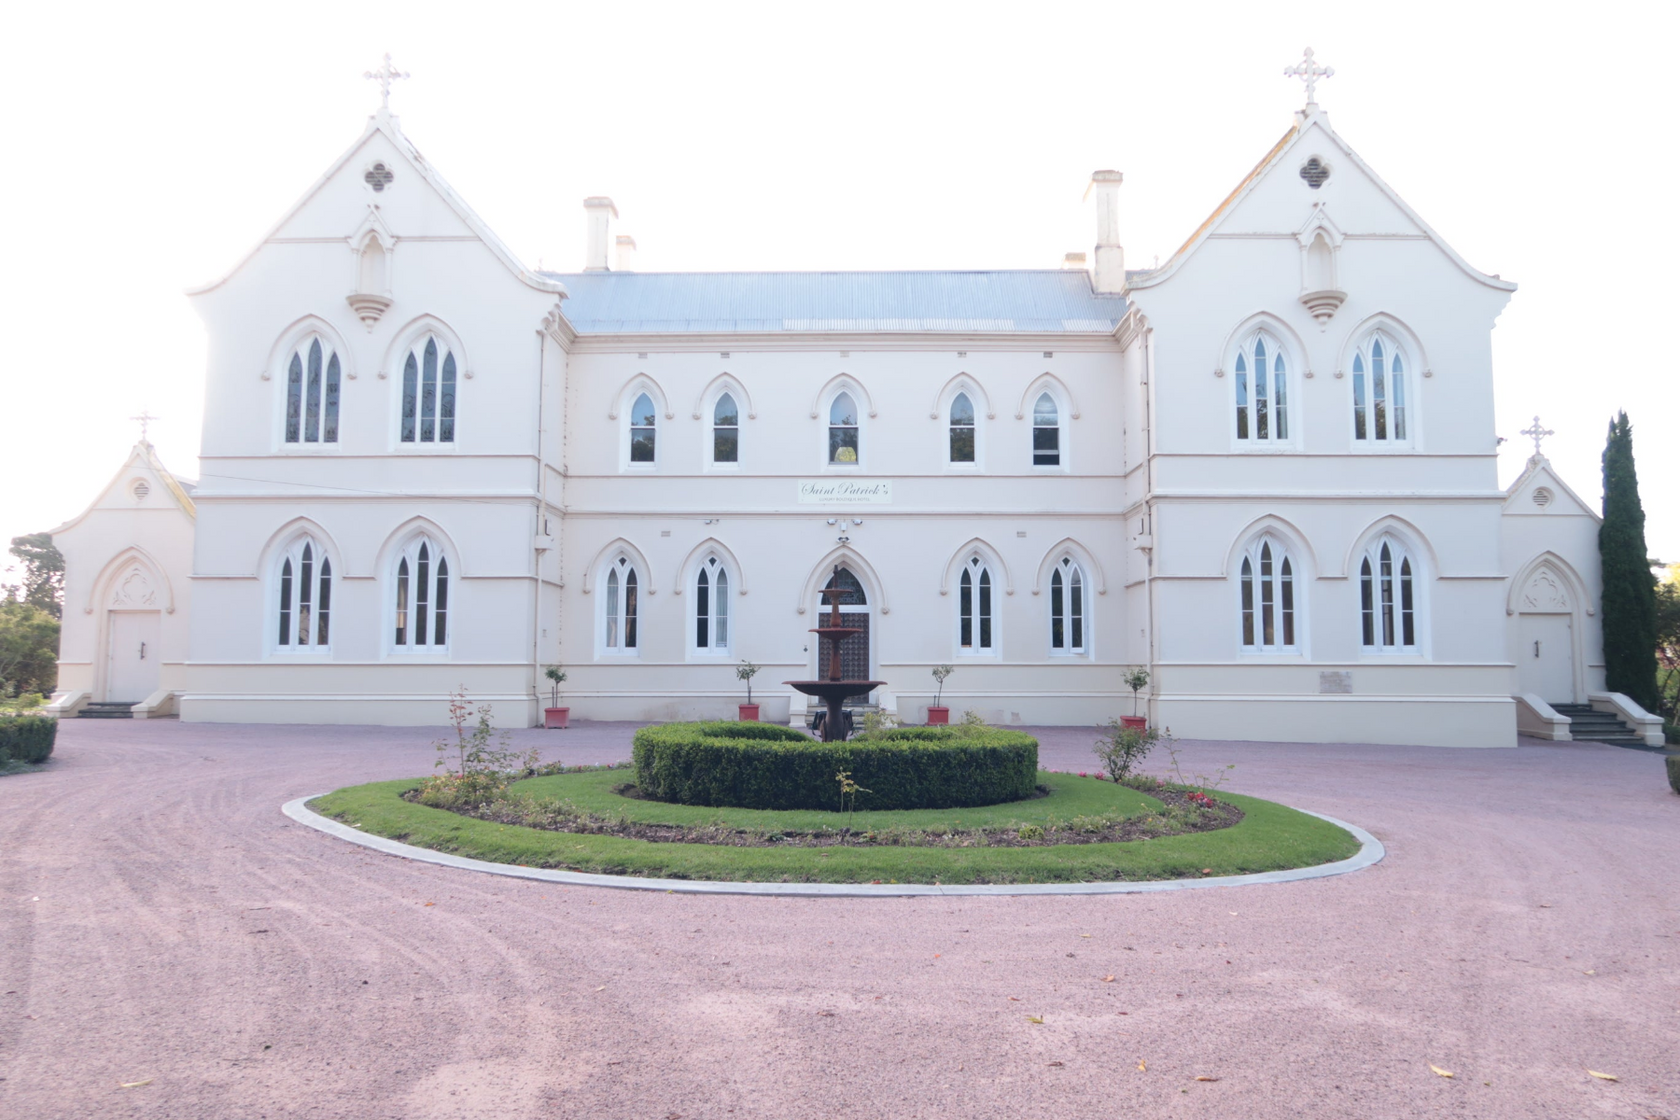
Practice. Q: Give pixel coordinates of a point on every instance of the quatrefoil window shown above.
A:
(1313, 171)
(379, 177)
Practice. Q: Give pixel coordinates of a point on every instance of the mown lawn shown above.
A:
(1270, 837)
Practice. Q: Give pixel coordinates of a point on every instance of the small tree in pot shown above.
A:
(1135, 679)
(937, 712)
(554, 716)
(746, 671)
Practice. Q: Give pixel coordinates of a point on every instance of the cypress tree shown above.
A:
(1630, 591)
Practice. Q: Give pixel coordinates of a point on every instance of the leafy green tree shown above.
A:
(43, 572)
(28, 648)
(1630, 601)
(1668, 645)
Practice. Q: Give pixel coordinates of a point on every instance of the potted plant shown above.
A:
(746, 671)
(938, 714)
(1135, 680)
(554, 716)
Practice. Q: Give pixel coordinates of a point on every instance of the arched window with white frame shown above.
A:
(644, 429)
(843, 431)
(1388, 598)
(1379, 392)
(711, 606)
(975, 621)
(726, 430)
(961, 447)
(620, 603)
(428, 392)
(421, 597)
(1046, 432)
(312, 389)
(1068, 624)
(1267, 580)
(304, 579)
(1261, 383)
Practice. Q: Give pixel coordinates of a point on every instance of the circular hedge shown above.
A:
(763, 766)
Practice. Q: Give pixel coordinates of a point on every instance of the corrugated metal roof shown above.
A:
(1049, 301)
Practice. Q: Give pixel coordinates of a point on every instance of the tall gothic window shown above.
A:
(843, 431)
(1047, 432)
(962, 429)
(711, 607)
(1387, 599)
(643, 429)
(620, 607)
(305, 598)
(1268, 598)
(428, 400)
(974, 608)
(312, 382)
(422, 597)
(1067, 608)
(726, 430)
(1262, 387)
(1379, 392)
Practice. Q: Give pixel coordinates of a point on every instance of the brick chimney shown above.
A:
(601, 211)
(1109, 260)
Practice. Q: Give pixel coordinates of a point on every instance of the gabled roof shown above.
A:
(1539, 465)
(143, 455)
(1025, 301)
(384, 123)
(1304, 121)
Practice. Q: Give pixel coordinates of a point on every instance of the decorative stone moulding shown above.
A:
(1323, 304)
(368, 308)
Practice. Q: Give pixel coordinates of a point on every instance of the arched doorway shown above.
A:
(854, 650)
(1547, 630)
(132, 624)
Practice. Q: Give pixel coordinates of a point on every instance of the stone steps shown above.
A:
(1587, 724)
(105, 709)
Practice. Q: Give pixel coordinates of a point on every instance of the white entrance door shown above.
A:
(1546, 659)
(132, 671)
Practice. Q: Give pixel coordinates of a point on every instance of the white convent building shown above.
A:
(1264, 470)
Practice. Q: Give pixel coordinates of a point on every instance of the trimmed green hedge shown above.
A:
(763, 766)
(27, 738)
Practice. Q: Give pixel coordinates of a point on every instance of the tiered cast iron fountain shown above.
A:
(833, 690)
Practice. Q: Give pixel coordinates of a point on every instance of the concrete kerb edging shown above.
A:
(1370, 851)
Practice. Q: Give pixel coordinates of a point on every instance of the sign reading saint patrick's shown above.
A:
(844, 491)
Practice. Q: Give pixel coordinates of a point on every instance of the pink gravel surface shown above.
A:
(161, 922)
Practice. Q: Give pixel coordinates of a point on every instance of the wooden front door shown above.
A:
(132, 656)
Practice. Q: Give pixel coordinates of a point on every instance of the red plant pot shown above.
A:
(557, 718)
(748, 712)
(938, 716)
(1137, 723)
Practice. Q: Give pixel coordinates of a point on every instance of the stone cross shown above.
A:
(385, 75)
(1310, 72)
(144, 418)
(1536, 433)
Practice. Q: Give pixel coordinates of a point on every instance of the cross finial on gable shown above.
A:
(143, 419)
(1536, 433)
(1310, 72)
(385, 75)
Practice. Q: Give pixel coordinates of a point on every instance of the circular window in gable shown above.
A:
(1314, 172)
(140, 489)
(1542, 497)
(378, 177)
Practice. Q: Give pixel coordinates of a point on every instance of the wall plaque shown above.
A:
(1340, 682)
(845, 491)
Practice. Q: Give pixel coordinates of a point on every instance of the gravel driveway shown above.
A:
(161, 922)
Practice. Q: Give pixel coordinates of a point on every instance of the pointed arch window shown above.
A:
(1047, 432)
(843, 431)
(1268, 598)
(644, 429)
(726, 430)
(312, 391)
(621, 605)
(1067, 608)
(962, 429)
(975, 627)
(428, 393)
(711, 607)
(305, 580)
(422, 597)
(1261, 382)
(1387, 598)
(1379, 392)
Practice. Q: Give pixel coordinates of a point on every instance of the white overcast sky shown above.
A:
(148, 146)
